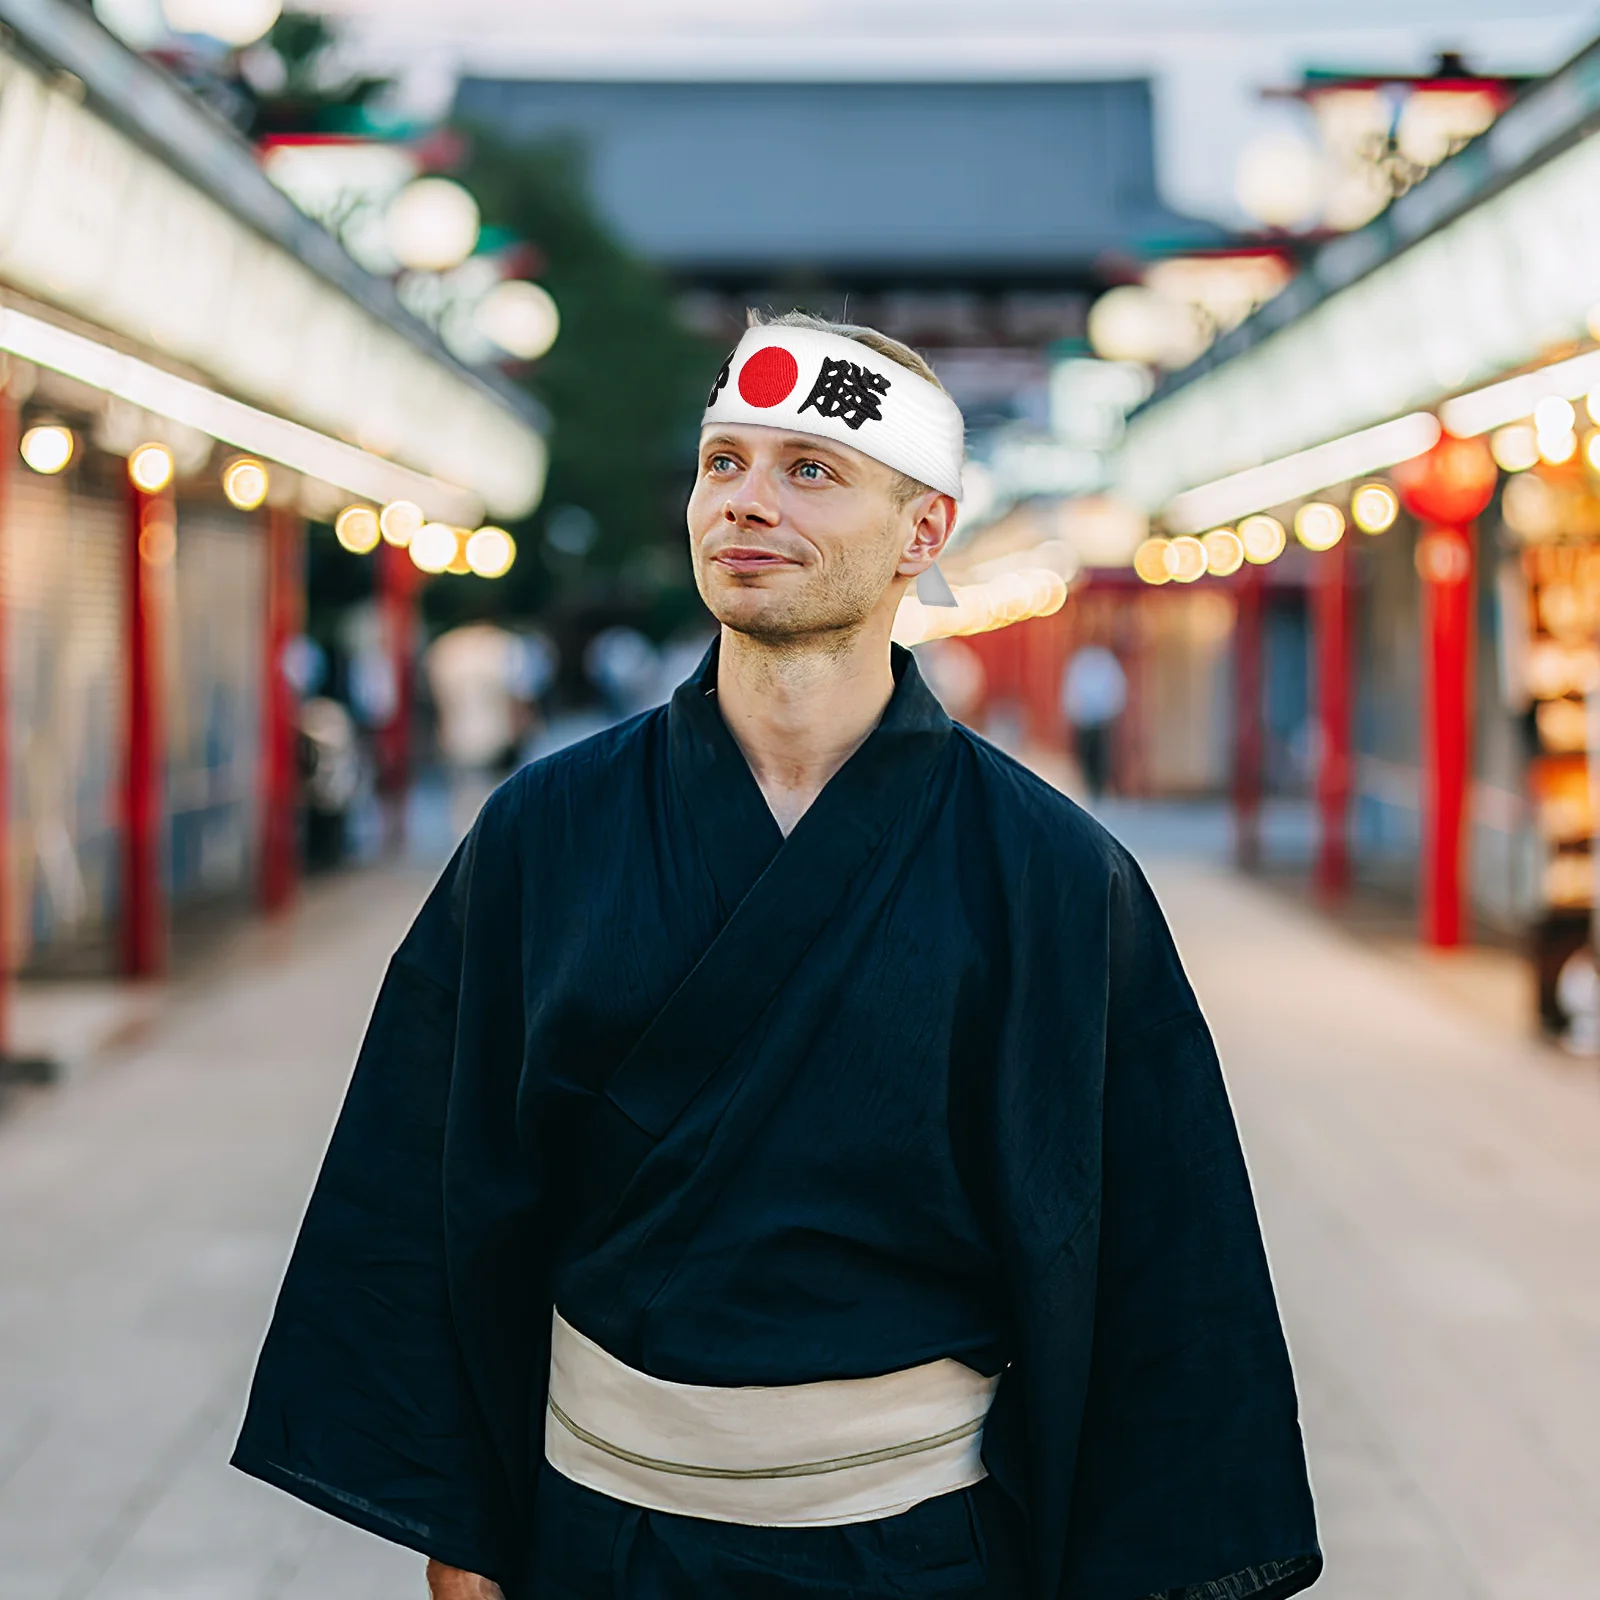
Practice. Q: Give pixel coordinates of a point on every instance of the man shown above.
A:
(786, 1158)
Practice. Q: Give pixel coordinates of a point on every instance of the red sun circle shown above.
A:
(769, 376)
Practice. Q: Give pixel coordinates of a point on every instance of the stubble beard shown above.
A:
(825, 612)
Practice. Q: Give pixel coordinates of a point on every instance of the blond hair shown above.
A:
(905, 488)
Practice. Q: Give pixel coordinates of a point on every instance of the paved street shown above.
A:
(1431, 1187)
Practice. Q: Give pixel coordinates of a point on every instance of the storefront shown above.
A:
(1409, 418)
(189, 370)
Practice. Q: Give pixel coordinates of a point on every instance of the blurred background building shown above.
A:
(1412, 407)
(192, 371)
(360, 419)
(351, 361)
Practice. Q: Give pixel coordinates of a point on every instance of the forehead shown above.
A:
(755, 439)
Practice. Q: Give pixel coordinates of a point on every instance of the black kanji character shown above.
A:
(847, 391)
(724, 372)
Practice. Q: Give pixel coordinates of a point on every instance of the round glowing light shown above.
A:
(519, 317)
(1150, 561)
(1515, 448)
(1224, 551)
(432, 225)
(1373, 507)
(1443, 557)
(1532, 508)
(399, 521)
(490, 552)
(1319, 526)
(47, 448)
(1187, 559)
(139, 23)
(150, 467)
(433, 546)
(357, 529)
(1280, 179)
(244, 481)
(158, 535)
(1557, 448)
(1263, 538)
(1133, 323)
(1554, 415)
(1591, 451)
(235, 22)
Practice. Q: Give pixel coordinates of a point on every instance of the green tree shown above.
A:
(624, 386)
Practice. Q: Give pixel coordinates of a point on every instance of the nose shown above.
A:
(747, 507)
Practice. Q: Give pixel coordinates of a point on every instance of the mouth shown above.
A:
(745, 560)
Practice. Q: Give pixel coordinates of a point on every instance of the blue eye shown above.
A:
(810, 467)
(720, 463)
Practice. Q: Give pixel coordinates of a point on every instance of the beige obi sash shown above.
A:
(846, 1450)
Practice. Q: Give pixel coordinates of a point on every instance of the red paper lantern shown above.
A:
(1452, 484)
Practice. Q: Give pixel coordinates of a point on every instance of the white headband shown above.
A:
(834, 388)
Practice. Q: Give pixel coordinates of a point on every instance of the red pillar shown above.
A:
(152, 541)
(278, 784)
(1331, 632)
(1445, 563)
(398, 581)
(1040, 640)
(1248, 714)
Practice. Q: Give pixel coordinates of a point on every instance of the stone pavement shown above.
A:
(1430, 1188)
(1429, 1180)
(148, 1209)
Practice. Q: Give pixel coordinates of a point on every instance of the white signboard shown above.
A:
(93, 224)
(1504, 285)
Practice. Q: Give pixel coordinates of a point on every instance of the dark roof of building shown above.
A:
(985, 178)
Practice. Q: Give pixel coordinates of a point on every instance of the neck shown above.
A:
(800, 709)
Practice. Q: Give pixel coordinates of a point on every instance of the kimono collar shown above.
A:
(737, 830)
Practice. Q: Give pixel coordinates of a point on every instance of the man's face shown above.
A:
(794, 536)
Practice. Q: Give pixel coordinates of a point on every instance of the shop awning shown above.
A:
(143, 251)
(1489, 266)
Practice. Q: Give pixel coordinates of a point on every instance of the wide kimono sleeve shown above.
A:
(1189, 1479)
(378, 1397)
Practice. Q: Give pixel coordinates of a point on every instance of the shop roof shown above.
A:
(180, 184)
(1484, 268)
(989, 179)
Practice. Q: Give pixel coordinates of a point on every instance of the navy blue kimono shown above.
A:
(924, 1079)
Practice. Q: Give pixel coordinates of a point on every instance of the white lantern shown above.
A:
(1280, 180)
(1132, 323)
(137, 23)
(432, 225)
(520, 317)
(235, 22)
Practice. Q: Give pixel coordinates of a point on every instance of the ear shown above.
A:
(933, 520)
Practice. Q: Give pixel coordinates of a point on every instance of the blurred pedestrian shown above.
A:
(334, 777)
(786, 1158)
(471, 672)
(1094, 693)
(473, 676)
